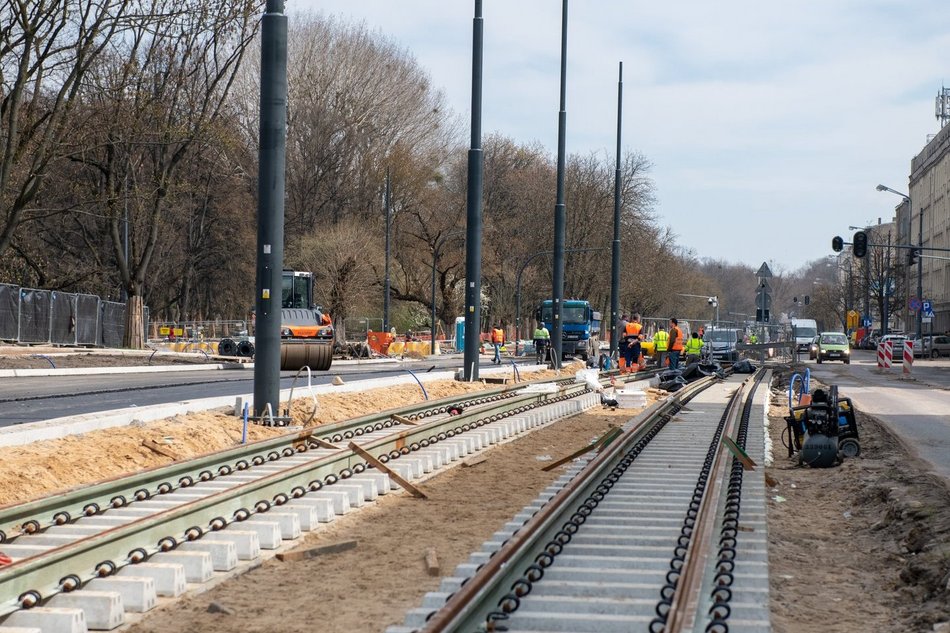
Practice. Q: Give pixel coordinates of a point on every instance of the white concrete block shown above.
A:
(53, 540)
(103, 609)
(138, 594)
(339, 499)
(17, 551)
(431, 454)
(246, 543)
(223, 553)
(354, 492)
(268, 532)
(48, 619)
(20, 629)
(306, 514)
(288, 521)
(403, 468)
(197, 565)
(323, 507)
(383, 484)
(73, 529)
(105, 522)
(169, 579)
(130, 512)
(368, 485)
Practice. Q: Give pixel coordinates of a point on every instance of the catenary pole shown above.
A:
(386, 282)
(615, 255)
(920, 275)
(473, 226)
(270, 208)
(560, 214)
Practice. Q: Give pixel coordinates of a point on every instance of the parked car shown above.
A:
(813, 348)
(833, 346)
(936, 346)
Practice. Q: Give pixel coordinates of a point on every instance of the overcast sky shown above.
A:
(768, 124)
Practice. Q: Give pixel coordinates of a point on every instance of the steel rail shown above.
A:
(682, 611)
(36, 516)
(27, 582)
(507, 575)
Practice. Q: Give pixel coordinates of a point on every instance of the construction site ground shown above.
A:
(861, 547)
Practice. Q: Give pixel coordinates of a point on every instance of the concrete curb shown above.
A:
(73, 425)
(147, 369)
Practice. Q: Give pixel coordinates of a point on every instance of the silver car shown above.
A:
(936, 346)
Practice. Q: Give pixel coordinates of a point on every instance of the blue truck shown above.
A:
(581, 327)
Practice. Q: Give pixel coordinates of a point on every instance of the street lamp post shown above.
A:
(439, 243)
(920, 243)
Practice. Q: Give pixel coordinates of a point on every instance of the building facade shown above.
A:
(930, 195)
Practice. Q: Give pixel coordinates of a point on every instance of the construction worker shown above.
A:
(694, 349)
(676, 343)
(753, 339)
(542, 338)
(497, 340)
(661, 342)
(632, 336)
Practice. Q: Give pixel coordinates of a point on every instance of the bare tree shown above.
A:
(151, 101)
(46, 49)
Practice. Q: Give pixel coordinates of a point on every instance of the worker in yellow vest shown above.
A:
(694, 349)
(661, 342)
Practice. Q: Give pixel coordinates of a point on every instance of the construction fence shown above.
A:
(29, 315)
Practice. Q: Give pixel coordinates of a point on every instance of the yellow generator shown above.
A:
(306, 331)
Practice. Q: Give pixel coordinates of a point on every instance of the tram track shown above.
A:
(646, 535)
(103, 531)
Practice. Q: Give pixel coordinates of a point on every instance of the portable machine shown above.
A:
(823, 429)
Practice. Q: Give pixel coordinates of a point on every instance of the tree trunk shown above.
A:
(134, 323)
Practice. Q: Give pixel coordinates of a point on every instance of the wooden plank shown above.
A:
(604, 439)
(326, 444)
(403, 420)
(313, 552)
(432, 562)
(158, 448)
(474, 461)
(380, 466)
(745, 460)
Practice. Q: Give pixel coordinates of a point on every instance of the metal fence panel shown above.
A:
(87, 320)
(35, 311)
(63, 318)
(9, 312)
(112, 324)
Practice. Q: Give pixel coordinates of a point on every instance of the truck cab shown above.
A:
(580, 327)
(804, 331)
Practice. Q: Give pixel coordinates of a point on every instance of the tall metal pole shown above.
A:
(560, 214)
(270, 208)
(388, 251)
(920, 273)
(885, 286)
(615, 263)
(473, 226)
(435, 261)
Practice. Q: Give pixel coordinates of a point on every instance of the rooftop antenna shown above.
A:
(942, 109)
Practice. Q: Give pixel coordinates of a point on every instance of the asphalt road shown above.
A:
(917, 408)
(34, 399)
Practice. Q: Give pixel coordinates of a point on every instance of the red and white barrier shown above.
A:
(908, 356)
(885, 354)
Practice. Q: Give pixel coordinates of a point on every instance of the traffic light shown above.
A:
(807, 300)
(837, 244)
(912, 255)
(859, 246)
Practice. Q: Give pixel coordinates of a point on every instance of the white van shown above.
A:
(804, 331)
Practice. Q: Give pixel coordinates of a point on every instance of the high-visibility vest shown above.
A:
(676, 335)
(497, 335)
(542, 333)
(661, 340)
(633, 329)
(694, 346)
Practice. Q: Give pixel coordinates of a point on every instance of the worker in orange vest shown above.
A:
(497, 339)
(676, 343)
(632, 335)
